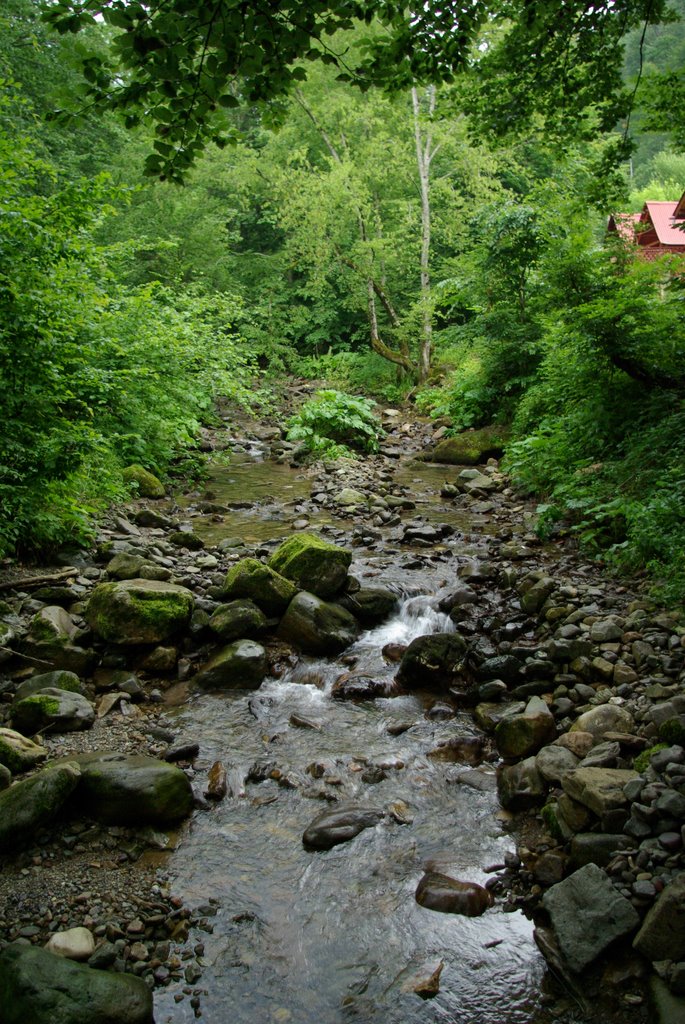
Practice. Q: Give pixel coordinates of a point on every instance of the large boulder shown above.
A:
(470, 448)
(52, 710)
(317, 627)
(432, 662)
(61, 680)
(18, 753)
(522, 735)
(143, 482)
(139, 611)
(237, 620)
(132, 789)
(241, 665)
(339, 825)
(313, 564)
(436, 891)
(32, 803)
(587, 915)
(260, 583)
(37, 987)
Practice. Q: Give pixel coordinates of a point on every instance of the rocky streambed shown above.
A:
(340, 741)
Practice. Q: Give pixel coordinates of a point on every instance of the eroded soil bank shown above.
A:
(229, 914)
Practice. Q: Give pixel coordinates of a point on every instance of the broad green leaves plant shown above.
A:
(335, 424)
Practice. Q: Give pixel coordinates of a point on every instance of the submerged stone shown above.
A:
(448, 895)
(339, 826)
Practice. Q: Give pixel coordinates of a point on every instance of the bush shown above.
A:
(333, 423)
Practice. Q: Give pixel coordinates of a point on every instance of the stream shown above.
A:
(311, 937)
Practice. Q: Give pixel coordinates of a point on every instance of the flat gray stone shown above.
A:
(587, 915)
(662, 935)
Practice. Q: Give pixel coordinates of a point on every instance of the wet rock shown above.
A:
(132, 789)
(535, 596)
(251, 579)
(370, 605)
(432, 662)
(426, 984)
(358, 687)
(587, 915)
(236, 620)
(143, 483)
(52, 710)
(436, 891)
(520, 786)
(524, 734)
(502, 666)
(339, 826)
(662, 935)
(139, 611)
(312, 564)
(241, 665)
(316, 626)
(186, 539)
(42, 988)
(32, 803)
(217, 782)
(74, 944)
(18, 753)
(349, 497)
(599, 789)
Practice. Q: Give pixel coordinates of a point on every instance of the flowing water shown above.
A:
(311, 937)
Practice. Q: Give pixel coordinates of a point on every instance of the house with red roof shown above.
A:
(657, 231)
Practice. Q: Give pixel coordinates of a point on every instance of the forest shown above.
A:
(197, 200)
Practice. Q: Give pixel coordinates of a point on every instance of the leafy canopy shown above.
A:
(183, 64)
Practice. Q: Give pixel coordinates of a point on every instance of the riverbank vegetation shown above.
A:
(441, 242)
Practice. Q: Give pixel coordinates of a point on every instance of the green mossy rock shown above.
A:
(139, 611)
(313, 564)
(370, 605)
(317, 627)
(123, 789)
(61, 680)
(237, 620)
(38, 987)
(144, 483)
(239, 666)
(471, 448)
(268, 589)
(52, 710)
(18, 753)
(32, 803)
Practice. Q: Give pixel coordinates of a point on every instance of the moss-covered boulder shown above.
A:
(32, 803)
(18, 753)
(313, 564)
(471, 448)
(53, 640)
(61, 680)
(139, 611)
(241, 665)
(432, 662)
(317, 627)
(142, 482)
(52, 710)
(131, 789)
(38, 987)
(237, 620)
(260, 583)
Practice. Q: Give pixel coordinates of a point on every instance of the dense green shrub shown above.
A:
(333, 423)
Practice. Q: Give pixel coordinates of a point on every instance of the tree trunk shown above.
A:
(424, 155)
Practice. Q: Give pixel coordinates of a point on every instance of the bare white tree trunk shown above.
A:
(425, 152)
